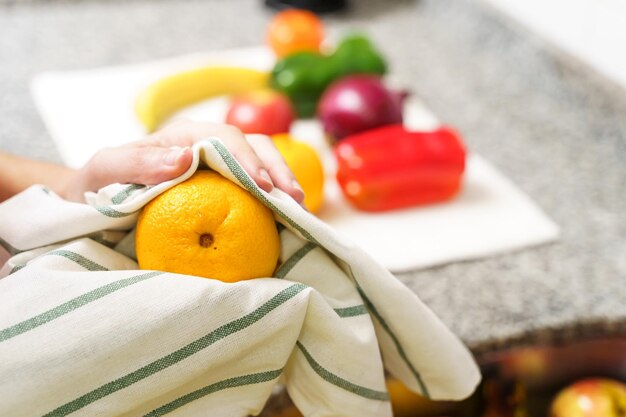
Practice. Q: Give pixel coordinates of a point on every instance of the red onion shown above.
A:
(357, 103)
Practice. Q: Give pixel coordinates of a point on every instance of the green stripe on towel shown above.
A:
(372, 308)
(109, 212)
(340, 382)
(396, 342)
(249, 185)
(235, 382)
(16, 268)
(71, 305)
(180, 354)
(293, 260)
(125, 193)
(351, 311)
(88, 264)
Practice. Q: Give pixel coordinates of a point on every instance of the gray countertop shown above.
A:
(551, 125)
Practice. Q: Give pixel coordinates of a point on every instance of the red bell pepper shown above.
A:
(390, 167)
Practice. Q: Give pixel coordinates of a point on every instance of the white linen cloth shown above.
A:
(84, 332)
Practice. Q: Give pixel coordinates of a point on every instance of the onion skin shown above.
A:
(357, 103)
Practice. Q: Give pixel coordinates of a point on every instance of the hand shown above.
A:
(165, 155)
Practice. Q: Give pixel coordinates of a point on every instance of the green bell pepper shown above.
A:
(356, 55)
(304, 76)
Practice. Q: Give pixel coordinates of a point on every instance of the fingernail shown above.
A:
(264, 174)
(171, 158)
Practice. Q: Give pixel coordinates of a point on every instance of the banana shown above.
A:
(170, 94)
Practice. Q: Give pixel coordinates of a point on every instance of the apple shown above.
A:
(265, 111)
(591, 397)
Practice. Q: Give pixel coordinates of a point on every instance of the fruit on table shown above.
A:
(304, 76)
(357, 103)
(290, 411)
(390, 167)
(356, 54)
(164, 97)
(592, 397)
(210, 227)
(263, 111)
(307, 167)
(295, 30)
(406, 403)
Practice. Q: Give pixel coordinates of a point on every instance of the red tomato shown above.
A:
(294, 30)
(267, 112)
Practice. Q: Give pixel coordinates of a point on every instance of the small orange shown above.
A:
(295, 30)
(303, 160)
(406, 403)
(210, 227)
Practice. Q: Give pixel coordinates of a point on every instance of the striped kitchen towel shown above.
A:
(83, 332)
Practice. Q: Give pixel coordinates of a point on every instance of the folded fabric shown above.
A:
(84, 332)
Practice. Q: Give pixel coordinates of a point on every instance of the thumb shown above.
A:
(147, 165)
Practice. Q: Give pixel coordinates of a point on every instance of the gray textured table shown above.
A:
(550, 125)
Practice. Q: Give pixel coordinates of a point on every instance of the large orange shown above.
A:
(307, 167)
(210, 227)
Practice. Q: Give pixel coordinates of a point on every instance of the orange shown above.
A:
(303, 160)
(294, 30)
(406, 403)
(289, 411)
(210, 227)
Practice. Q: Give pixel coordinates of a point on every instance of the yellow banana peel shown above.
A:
(168, 95)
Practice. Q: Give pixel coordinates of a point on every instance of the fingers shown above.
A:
(257, 154)
(245, 154)
(185, 133)
(166, 154)
(281, 175)
(138, 165)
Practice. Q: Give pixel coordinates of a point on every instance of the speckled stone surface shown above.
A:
(551, 125)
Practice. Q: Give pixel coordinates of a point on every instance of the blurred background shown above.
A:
(535, 87)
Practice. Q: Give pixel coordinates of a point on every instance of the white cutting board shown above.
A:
(87, 110)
